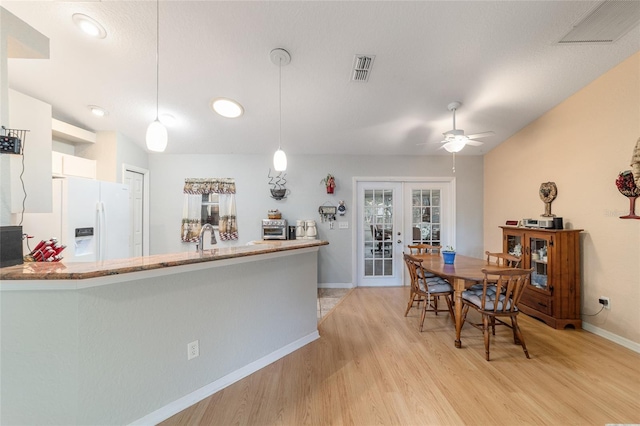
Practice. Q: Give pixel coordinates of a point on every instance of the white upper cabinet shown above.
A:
(70, 133)
(70, 165)
(65, 164)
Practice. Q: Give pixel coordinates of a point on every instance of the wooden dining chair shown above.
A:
(419, 249)
(423, 249)
(498, 299)
(500, 259)
(423, 287)
(503, 259)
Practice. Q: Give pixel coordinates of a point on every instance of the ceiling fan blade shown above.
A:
(481, 135)
(474, 143)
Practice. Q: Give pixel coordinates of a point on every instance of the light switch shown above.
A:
(343, 225)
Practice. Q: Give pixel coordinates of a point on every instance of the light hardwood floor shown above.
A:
(372, 366)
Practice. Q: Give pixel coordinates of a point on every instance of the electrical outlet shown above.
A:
(605, 301)
(193, 350)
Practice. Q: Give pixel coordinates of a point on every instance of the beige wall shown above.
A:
(581, 144)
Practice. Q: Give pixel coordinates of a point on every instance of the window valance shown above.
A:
(210, 186)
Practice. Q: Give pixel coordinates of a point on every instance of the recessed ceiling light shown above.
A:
(227, 107)
(97, 111)
(89, 25)
(167, 119)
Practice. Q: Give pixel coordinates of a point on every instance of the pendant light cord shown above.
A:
(157, 59)
(280, 104)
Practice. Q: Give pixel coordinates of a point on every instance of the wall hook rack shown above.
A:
(327, 212)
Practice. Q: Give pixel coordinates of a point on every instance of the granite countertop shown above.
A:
(84, 270)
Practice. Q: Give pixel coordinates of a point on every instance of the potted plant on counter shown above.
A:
(449, 255)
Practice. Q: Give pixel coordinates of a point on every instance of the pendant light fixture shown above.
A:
(156, 132)
(280, 57)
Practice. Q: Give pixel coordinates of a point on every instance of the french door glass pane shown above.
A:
(425, 216)
(378, 232)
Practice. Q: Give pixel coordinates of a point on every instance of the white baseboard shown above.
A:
(629, 344)
(196, 396)
(335, 285)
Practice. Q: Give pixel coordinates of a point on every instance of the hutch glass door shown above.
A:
(539, 262)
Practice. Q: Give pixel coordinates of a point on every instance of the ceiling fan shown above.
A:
(455, 139)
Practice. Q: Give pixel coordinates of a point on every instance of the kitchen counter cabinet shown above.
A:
(106, 343)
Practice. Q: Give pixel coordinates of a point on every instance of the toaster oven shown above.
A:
(274, 229)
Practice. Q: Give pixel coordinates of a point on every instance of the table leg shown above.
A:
(458, 288)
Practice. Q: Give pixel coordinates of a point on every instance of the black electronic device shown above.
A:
(11, 245)
(10, 145)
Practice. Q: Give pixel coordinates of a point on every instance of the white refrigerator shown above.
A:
(90, 217)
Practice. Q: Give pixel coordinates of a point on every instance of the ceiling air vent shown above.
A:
(362, 67)
(606, 23)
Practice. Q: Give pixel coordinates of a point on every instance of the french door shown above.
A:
(429, 215)
(379, 233)
(392, 215)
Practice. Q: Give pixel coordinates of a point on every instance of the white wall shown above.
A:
(307, 194)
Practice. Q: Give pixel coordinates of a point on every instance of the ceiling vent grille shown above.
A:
(362, 67)
(606, 23)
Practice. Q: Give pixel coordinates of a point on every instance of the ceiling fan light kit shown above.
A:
(454, 146)
(455, 139)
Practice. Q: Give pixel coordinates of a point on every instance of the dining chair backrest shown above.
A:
(413, 264)
(503, 259)
(509, 284)
(424, 249)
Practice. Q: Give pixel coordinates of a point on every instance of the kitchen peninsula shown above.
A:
(106, 342)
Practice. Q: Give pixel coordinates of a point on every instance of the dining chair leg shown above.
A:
(514, 322)
(411, 300)
(435, 304)
(450, 306)
(485, 329)
(465, 310)
(516, 339)
(424, 313)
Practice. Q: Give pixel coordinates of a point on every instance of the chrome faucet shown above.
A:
(200, 246)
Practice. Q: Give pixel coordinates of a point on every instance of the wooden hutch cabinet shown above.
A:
(553, 294)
